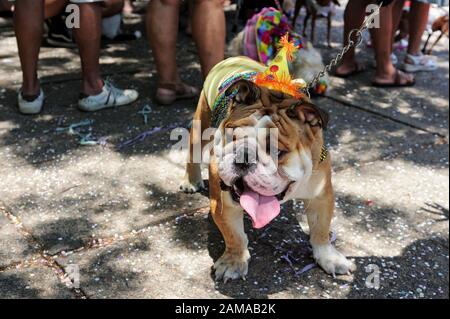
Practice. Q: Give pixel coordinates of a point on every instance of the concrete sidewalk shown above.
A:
(117, 218)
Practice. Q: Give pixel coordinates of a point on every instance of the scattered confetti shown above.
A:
(146, 110)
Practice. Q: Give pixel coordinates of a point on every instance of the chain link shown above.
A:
(358, 33)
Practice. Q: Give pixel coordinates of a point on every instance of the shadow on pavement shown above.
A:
(420, 270)
(438, 210)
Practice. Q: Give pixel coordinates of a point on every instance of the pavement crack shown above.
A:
(41, 258)
(95, 243)
(385, 116)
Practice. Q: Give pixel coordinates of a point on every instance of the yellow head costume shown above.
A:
(277, 76)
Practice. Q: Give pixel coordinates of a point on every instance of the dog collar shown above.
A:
(323, 154)
(222, 102)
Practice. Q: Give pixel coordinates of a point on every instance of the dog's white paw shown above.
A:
(191, 188)
(332, 261)
(232, 266)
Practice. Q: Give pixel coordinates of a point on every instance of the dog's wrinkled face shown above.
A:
(268, 144)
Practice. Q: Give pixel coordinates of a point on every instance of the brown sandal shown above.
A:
(397, 82)
(174, 92)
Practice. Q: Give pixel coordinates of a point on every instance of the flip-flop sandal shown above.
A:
(397, 82)
(358, 69)
(179, 91)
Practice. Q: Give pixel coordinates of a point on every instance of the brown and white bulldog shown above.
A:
(302, 167)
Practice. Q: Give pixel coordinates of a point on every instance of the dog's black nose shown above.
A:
(245, 159)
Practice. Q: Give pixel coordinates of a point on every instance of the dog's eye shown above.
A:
(281, 154)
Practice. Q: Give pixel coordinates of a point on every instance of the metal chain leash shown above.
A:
(358, 33)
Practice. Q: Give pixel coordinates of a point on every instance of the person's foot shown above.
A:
(30, 104)
(348, 69)
(58, 34)
(109, 97)
(168, 93)
(418, 63)
(396, 79)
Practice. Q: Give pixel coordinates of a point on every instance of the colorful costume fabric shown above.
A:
(226, 73)
(262, 33)
(275, 76)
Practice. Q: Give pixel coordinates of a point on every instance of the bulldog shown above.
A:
(246, 176)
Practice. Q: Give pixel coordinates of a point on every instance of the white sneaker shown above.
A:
(109, 97)
(417, 63)
(30, 107)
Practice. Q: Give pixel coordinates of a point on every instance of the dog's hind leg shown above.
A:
(193, 181)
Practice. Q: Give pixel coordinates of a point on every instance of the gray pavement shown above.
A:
(118, 218)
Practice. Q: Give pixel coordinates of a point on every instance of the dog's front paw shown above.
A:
(332, 261)
(189, 187)
(232, 266)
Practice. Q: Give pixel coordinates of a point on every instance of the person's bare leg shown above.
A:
(418, 19)
(397, 17)
(88, 38)
(403, 27)
(382, 42)
(382, 39)
(163, 37)
(54, 7)
(210, 36)
(353, 18)
(28, 20)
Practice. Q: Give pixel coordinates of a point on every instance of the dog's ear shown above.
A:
(245, 92)
(313, 115)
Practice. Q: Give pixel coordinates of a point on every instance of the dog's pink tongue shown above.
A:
(262, 209)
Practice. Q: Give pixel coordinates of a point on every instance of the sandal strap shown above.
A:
(168, 86)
